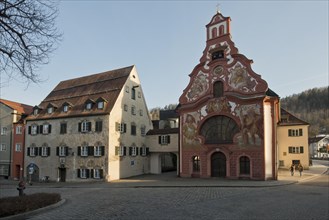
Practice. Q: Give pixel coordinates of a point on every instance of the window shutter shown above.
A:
(78, 173)
(116, 150)
(102, 150)
(137, 151)
(57, 151)
(101, 173)
(49, 129)
(40, 129)
(130, 151)
(124, 151)
(79, 127)
(159, 139)
(79, 150)
(39, 150)
(147, 151)
(300, 132)
(28, 151)
(124, 127)
(168, 139)
(29, 129)
(90, 150)
(290, 150)
(289, 132)
(48, 151)
(100, 125)
(87, 173)
(89, 126)
(92, 173)
(36, 151)
(66, 151)
(141, 150)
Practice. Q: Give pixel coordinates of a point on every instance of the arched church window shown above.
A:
(196, 164)
(219, 130)
(214, 32)
(244, 165)
(218, 89)
(221, 30)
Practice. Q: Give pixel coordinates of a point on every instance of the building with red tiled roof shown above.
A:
(12, 126)
(88, 128)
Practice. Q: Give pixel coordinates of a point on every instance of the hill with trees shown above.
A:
(311, 106)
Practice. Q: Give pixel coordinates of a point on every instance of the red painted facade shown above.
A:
(223, 120)
(18, 151)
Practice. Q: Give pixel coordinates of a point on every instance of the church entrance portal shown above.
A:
(218, 165)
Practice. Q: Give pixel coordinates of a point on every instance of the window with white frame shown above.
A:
(34, 129)
(84, 151)
(97, 173)
(98, 151)
(133, 151)
(164, 139)
(50, 110)
(18, 147)
(35, 111)
(46, 129)
(133, 110)
(65, 108)
(19, 129)
(295, 132)
(144, 151)
(296, 150)
(32, 151)
(120, 151)
(89, 105)
(100, 105)
(143, 130)
(3, 147)
(62, 151)
(121, 127)
(45, 151)
(3, 131)
(84, 173)
(85, 126)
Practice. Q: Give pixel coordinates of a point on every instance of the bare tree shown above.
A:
(27, 37)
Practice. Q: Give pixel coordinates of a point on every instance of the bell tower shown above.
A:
(218, 26)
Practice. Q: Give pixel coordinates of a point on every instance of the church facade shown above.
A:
(228, 115)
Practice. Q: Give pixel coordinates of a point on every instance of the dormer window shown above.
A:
(88, 106)
(217, 55)
(35, 111)
(65, 108)
(100, 105)
(50, 110)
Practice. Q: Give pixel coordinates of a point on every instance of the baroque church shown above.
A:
(228, 114)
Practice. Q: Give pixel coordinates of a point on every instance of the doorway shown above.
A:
(62, 174)
(218, 165)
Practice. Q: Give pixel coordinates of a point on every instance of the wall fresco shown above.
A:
(199, 86)
(239, 79)
(190, 130)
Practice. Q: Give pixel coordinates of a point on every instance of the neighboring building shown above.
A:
(92, 127)
(12, 137)
(228, 115)
(292, 141)
(163, 141)
(319, 146)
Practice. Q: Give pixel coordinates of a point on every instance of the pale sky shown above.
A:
(287, 40)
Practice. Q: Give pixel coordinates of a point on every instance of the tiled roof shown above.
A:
(289, 119)
(78, 91)
(19, 107)
(165, 114)
(163, 131)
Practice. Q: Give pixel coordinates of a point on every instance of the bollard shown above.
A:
(20, 188)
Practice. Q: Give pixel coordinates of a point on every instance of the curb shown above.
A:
(24, 215)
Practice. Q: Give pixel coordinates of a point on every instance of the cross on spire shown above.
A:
(217, 7)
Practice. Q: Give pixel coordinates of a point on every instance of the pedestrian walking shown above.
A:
(292, 169)
(21, 187)
(300, 169)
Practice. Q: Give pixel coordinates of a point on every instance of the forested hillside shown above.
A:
(311, 106)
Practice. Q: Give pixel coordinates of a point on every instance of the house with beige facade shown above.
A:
(292, 141)
(89, 128)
